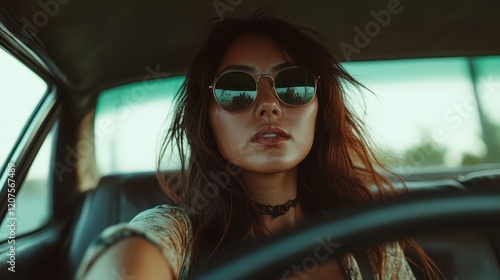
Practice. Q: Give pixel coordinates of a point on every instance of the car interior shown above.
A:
(99, 60)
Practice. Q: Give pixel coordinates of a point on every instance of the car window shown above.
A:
(420, 113)
(426, 112)
(488, 70)
(129, 123)
(20, 91)
(29, 208)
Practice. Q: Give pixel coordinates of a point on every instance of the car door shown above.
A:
(33, 225)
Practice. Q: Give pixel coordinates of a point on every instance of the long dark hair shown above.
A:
(339, 170)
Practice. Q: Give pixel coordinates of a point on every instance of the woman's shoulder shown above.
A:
(163, 218)
(172, 228)
(167, 227)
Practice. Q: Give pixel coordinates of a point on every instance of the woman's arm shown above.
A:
(154, 245)
(131, 258)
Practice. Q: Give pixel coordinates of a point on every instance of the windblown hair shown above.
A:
(340, 169)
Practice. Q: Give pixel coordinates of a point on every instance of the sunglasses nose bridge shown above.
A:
(265, 77)
(267, 103)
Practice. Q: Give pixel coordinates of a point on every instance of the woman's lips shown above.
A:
(270, 135)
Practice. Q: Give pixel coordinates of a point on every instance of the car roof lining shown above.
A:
(99, 44)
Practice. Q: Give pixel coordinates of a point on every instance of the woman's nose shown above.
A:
(268, 105)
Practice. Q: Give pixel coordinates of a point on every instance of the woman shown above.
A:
(271, 144)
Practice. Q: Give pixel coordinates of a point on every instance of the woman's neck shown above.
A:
(275, 189)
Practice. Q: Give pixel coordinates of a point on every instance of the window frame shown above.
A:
(39, 124)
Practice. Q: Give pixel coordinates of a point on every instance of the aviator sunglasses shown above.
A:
(237, 90)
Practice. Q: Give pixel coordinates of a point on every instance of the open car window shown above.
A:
(130, 122)
(20, 90)
(30, 207)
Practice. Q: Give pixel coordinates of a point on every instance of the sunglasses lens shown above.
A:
(235, 91)
(295, 86)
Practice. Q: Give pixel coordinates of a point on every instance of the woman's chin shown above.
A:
(270, 166)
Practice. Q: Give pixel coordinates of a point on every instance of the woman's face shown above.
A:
(269, 136)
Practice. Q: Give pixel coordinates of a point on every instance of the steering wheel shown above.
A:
(365, 226)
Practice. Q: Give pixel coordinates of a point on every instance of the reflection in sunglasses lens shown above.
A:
(295, 86)
(237, 90)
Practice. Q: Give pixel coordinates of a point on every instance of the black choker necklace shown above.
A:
(275, 210)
